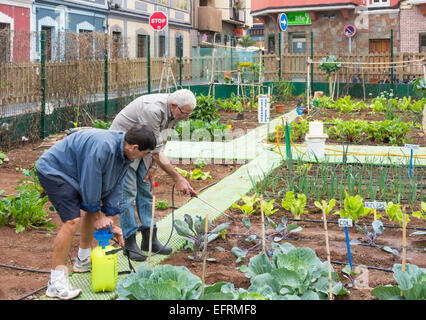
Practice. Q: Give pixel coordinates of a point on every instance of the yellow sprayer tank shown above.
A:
(104, 266)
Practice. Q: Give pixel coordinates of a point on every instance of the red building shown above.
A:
(15, 26)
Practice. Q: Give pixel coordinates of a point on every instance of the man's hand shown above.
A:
(118, 235)
(150, 176)
(102, 221)
(183, 185)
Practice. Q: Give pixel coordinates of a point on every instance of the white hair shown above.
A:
(182, 98)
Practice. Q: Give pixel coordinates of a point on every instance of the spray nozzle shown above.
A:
(103, 236)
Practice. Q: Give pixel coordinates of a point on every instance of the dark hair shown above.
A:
(142, 136)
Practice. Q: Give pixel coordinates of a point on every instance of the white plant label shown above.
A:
(412, 146)
(263, 108)
(375, 205)
(345, 223)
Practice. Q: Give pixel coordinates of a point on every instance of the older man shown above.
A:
(160, 112)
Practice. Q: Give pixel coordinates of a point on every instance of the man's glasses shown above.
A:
(183, 112)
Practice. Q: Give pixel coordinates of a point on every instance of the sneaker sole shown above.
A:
(60, 298)
(81, 271)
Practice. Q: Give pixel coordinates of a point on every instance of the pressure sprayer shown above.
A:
(104, 262)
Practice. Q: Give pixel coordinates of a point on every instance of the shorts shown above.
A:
(64, 197)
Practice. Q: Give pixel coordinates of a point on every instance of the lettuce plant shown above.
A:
(411, 283)
(354, 208)
(295, 206)
(198, 174)
(248, 207)
(268, 207)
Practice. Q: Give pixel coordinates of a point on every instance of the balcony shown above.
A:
(209, 19)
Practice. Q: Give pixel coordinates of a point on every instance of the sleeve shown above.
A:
(152, 119)
(91, 181)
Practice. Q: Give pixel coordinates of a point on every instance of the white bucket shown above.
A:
(316, 147)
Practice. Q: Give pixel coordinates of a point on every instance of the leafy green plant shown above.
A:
(411, 283)
(421, 214)
(394, 213)
(268, 207)
(100, 124)
(419, 87)
(162, 204)
(372, 234)
(295, 206)
(205, 110)
(327, 206)
(293, 273)
(198, 174)
(200, 164)
(2, 157)
(353, 208)
(284, 230)
(284, 90)
(248, 207)
(167, 282)
(182, 172)
(193, 231)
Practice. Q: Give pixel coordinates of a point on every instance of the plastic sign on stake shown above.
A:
(347, 223)
(412, 147)
(263, 110)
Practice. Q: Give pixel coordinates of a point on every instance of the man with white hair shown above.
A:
(160, 112)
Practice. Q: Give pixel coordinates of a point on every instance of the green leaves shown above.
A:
(295, 206)
(411, 282)
(354, 208)
(198, 174)
(248, 207)
(294, 273)
(2, 157)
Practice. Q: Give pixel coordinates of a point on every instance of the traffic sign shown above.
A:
(283, 21)
(350, 30)
(158, 20)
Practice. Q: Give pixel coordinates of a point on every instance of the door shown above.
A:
(380, 50)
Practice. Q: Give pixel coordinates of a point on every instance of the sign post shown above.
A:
(350, 31)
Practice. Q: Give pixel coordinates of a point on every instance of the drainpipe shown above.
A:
(43, 85)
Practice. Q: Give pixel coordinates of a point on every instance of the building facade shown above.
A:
(376, 22)
(413, 26)
(15, 25)
(129, 27)
(56, 18)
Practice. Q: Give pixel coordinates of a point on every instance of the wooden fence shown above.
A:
(20, 83)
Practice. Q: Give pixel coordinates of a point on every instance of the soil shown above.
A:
(32, 248)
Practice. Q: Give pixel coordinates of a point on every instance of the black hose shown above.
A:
(23, 269)
(368, 267)
(31, 293)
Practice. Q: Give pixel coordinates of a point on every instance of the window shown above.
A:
(85, 43)
(422, 45)
(271, 43)
(297, 42)
(142, 46)
(116, 43)
(178, 40)
(162, 46)
(181, 4)
(4, 42)
(378, 3)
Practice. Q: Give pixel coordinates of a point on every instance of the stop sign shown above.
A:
(158, 20)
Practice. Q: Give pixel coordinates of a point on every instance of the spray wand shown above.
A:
(194, 194)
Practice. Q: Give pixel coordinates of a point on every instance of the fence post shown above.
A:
(149, 63)
(180, 59)
(106, 79)
(279, 55)
(43, 85)
(312, 58)
(391, 81)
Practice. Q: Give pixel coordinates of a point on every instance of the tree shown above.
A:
(247, 41)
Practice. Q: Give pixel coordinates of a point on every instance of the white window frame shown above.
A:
(381, 3)
(4, 18)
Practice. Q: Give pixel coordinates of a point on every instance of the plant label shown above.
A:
(264, 108)
(345, 223)
(412, 146)
(375, 205)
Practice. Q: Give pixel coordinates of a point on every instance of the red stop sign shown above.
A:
(158, 20)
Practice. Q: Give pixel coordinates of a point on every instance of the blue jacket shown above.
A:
(93, 162)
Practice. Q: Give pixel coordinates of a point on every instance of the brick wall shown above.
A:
(412, 23)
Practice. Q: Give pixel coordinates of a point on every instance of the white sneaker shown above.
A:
(62, 289)
(82, 266)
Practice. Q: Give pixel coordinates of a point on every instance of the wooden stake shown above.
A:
(205, 253)
(375, 214)
(151, 229)
(263, 224)
(327, 246)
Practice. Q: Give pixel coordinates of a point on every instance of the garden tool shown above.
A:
(194, 194)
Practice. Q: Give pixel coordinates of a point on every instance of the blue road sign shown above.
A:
(282, 19)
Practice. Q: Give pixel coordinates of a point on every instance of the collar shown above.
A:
(169, 111)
